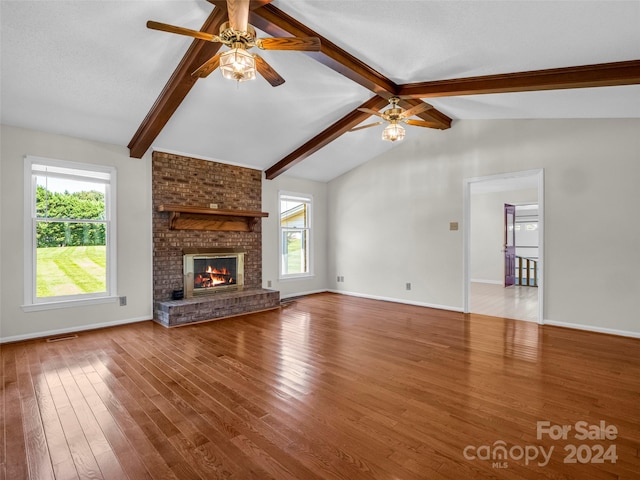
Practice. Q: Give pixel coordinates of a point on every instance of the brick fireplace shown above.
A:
(187, 181)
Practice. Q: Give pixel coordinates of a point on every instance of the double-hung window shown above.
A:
(69, 232)
(295, 235)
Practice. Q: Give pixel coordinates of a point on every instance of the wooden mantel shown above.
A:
(183, 217)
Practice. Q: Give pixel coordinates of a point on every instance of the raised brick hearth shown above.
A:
(218, 305)
(194, 182)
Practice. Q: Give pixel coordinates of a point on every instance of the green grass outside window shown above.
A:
(71, 270)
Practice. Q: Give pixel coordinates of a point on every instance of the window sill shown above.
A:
(37, 307)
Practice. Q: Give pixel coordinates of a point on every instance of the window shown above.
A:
(295, 235)
(70, 255)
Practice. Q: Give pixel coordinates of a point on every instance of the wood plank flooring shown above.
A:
(328, 387)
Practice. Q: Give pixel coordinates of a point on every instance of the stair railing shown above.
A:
(527, 271)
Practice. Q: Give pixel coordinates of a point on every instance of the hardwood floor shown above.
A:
(329, 387)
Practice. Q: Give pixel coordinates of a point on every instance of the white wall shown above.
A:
(387, 222)
(486, 262)
(134, 235)
(389, 218)
(271, 235)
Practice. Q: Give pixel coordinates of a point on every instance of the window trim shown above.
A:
(31, 301)
(308, 198)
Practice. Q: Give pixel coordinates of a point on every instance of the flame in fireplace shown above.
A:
(222, 271)
(213, 277)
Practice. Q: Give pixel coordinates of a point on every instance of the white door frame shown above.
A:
(539, 174)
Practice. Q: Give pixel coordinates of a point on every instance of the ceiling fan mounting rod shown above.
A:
(241, 45)
(229, 36)
(393, 114)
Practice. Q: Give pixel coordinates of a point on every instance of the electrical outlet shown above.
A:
(268, 283)
(338, 278)
(123, 301)
(342, 279)
(408, 286)
(213, 205)
(453, 226)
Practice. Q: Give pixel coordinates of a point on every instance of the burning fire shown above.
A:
(224, 271)
(213, 277)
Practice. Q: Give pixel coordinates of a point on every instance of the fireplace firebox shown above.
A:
(207, 272)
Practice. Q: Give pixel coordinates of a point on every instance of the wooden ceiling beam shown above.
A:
(179, 85)
(277, 23)
(584, 76)
(327, 136)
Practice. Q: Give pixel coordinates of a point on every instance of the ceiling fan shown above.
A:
(237, 63)
(394, 116)
(275, 22)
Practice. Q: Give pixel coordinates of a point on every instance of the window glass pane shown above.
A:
(294, 213)
(66, 198)
(71, 258)
(70, 234)
(294, 255)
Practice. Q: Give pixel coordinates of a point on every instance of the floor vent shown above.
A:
(61, 338)
(286, 302)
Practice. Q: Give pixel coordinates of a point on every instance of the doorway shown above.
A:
(517, 186)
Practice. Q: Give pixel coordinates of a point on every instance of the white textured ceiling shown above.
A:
(91, 69)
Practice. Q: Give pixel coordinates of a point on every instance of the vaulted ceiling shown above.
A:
(93, 70)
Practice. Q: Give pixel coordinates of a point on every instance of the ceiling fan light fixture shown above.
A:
(238, 64)
(393, 132)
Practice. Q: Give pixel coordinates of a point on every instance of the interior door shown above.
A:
(509, 245)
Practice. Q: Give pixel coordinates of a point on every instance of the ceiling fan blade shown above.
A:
(311, 44)
(182, 31)
(416, 110)
(207, 67)
(267, 71)
(370, 112)
(421, 123)
(365, 126)
(238, 14)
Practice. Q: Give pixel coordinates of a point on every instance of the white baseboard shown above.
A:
(80, 328)
(398, 300)
(591, 328)
(484, 280)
